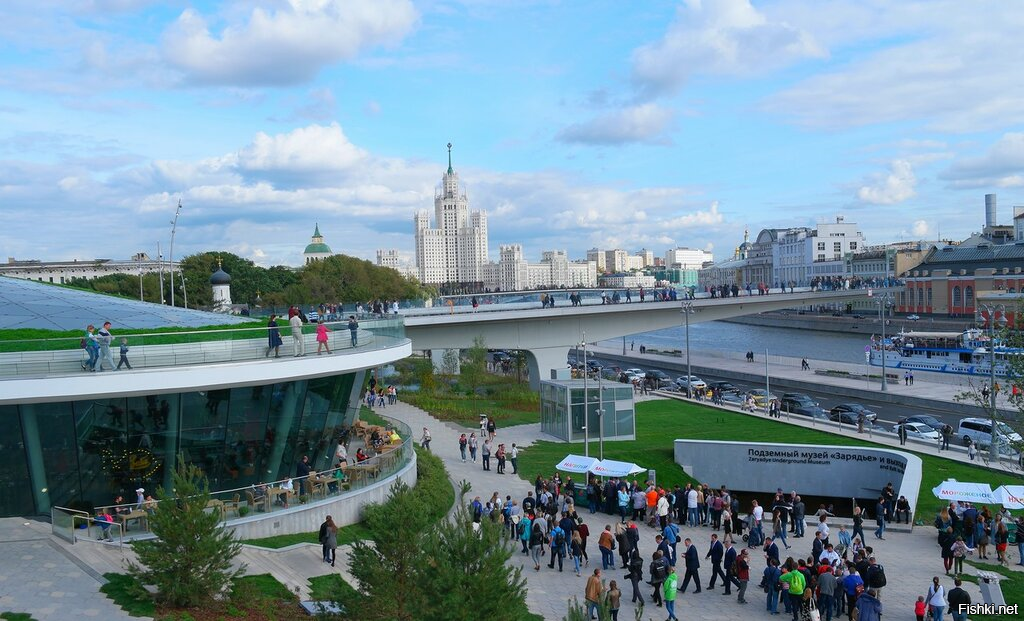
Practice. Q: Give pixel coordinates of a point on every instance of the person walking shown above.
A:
(880, 518)
(858, 523)
(463, 442)
(486, 454)
(329, 540)
(593, 592)
(425, 439)
(513, 456)
(958, 597)
(742, 573)
(321, 338)
(472, 444)
(500, 456)
(606, 543)
(692, 560)
(353, 328)
(670, 593)
(104, 338)
(635, 576)
(91, 347)
(536, 542)
(273, 337)
(298, 345)
(716, 552)
(614, 599)
(936, 599)
(124, 355)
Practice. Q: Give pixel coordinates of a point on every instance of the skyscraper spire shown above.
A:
(450, 171)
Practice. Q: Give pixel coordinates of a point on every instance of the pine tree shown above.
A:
(190, 560)
(467, 570)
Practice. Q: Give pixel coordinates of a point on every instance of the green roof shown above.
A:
(317, 248)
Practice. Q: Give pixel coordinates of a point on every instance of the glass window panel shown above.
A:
(15, 488)
(53, 426)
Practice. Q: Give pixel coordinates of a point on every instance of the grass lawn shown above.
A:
(660, 422)
(31, 339)
(16, 616)
(346, 535)
(507, 401)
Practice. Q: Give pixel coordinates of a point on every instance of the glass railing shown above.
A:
(27, 357)
(384, 460)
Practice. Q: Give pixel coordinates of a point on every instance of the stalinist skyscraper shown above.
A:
(454, 251)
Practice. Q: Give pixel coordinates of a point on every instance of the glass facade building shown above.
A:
(85, 453)
(564, 405)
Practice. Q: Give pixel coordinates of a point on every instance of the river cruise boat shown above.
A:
(963, 353)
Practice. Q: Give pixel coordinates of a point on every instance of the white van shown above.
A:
(979, 430)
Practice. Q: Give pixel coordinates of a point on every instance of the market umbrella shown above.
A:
(1010, 496)
(612, 468)
(576, 463)
(966, 492)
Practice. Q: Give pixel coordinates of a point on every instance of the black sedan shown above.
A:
(849, 413)
(725, 387)
(799, 403)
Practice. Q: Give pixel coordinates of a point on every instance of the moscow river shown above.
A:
(735, 337)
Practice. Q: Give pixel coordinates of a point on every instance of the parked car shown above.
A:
(799, 403)
(725, 387)
(931, 421)
(913, 317)
(849, 413)
(691, 381)
(979, 430)
(858, 316)
(761, 397)
(657, 379)
(920, 431)
(635, 371)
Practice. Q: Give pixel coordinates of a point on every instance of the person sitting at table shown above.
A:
(149, 506)
(259, 492)
(339, 477)
(361, 456)
(289, 488)
(119, 508)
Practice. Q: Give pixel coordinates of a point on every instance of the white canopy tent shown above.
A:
(602, 468)
(576, 463)
(1010, 496)
(965, 492)
(611, 468)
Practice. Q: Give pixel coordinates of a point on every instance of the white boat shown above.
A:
(963, 353)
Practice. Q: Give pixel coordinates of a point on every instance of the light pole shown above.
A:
(160, 270)
(174, 228)
(883, 302)
(586, 398)
(600, 416)
(688, 309)
(995, 312)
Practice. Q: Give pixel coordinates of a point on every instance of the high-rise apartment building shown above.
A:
(513, 273)
(687, 258)
(456, 250)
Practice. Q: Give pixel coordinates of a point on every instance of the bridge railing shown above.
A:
(68, 356)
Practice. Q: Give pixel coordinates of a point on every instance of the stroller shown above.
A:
(754, 536)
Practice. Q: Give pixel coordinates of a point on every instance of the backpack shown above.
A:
(876, 579)
(520, 528)
(560, 538)
(81, 344)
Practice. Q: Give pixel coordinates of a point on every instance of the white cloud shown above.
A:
(285, 46)
(314, 148)
(1002, 166)
(728, 37)
(641, 123)
(920, 228)
(895, 186)
(944, 63)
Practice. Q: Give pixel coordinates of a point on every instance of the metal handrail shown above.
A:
(407, 432)
(89, 520)
(307, 329)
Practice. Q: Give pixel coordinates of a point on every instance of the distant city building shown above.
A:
(949, 279)
(316, 250)
(883, 264)
(646, 257)
(687, 258)
(597, 257)
(1018, 223)
(61, 272)
(456, 250)
(632, 280)
(513, 273)
(394, 259)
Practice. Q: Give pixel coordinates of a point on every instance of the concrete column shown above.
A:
(540, 361)
(437, 357)
(171, 440)
(34, 451)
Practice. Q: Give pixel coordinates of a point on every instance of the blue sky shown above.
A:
(575, 124)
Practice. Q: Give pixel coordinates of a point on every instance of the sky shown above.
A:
(575, 124)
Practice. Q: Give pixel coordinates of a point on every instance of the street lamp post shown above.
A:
(160, 270)
(600, 416)
(883, 302)
(995, 312)
(586, 398)
(688, 309)
(174, 228)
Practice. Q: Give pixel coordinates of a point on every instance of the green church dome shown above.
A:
(317, 248)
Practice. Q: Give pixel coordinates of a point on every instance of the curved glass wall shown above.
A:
(81, 454)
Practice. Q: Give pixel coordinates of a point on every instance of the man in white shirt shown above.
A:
(296, 323)
(691, 507)
(513, 456)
